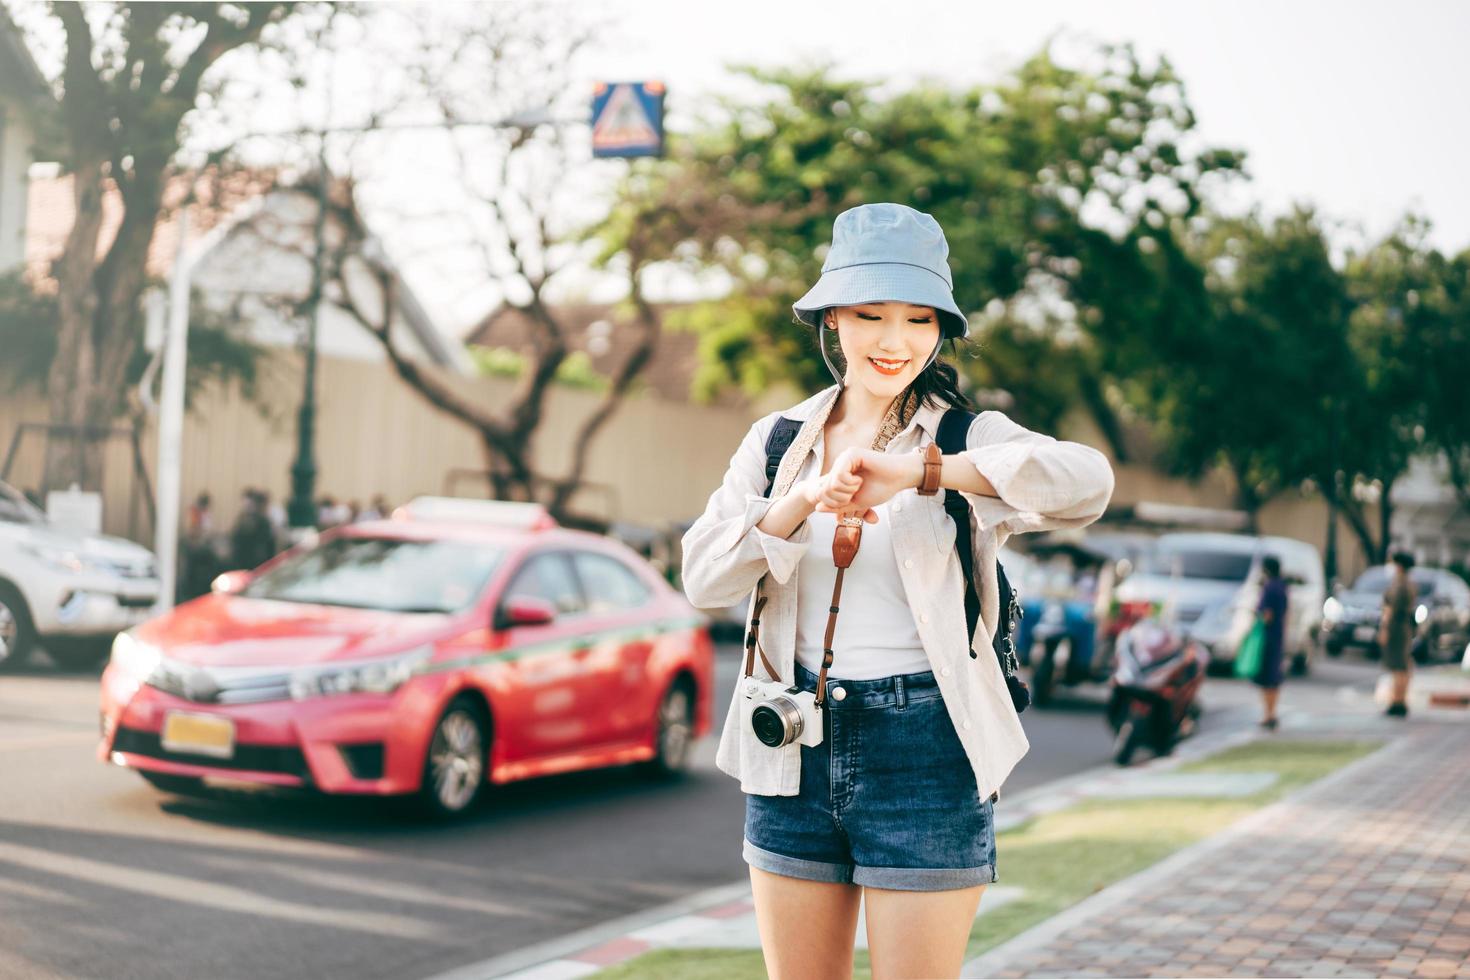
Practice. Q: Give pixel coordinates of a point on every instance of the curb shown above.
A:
(992, 962)
(585, 952)
(594, 938)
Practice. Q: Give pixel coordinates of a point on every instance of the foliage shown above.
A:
(575, 372)
(219, 351)
(1024, 175)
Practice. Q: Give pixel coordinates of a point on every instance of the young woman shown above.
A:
(917, 733)
(1272, 610)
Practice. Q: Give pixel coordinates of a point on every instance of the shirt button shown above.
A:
(945, 672)
(838, 693)
(897, 506)
(968, 726)
(908, 563)
(923, 617)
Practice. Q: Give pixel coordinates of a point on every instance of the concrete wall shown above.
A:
(656, 462)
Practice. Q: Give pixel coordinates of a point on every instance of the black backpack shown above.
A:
(951, 438)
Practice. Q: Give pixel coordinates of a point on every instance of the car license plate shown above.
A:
(199, 735)
(1365, 634)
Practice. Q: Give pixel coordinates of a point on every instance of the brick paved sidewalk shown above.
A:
(1364, 874)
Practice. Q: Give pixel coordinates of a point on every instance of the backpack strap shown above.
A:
(954, 429)
(783, 433)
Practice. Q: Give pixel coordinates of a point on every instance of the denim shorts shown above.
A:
(888, 799)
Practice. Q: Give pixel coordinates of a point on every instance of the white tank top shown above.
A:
(876, 634)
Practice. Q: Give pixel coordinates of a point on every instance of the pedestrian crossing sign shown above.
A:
(628, 119)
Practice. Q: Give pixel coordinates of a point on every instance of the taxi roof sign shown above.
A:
(628, 119)
(501, 513)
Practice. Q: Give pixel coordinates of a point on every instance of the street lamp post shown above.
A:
(301, 511)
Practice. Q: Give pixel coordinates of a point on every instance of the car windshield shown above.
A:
(17, 509)
(1220, 566)
(382, 573)
(1377, 578)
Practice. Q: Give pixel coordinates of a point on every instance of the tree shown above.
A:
(1050, 186)
(1253, 381)
(494, 82)
(1404, 324)
(132, 73)
(218, 352)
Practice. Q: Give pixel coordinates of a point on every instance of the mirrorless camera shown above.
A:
(780, 715)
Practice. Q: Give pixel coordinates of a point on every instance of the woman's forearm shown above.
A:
(787, 513)
(956, 473)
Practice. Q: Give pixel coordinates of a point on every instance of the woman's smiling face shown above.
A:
(885, 345)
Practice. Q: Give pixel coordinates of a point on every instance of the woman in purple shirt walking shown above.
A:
(1272, 611)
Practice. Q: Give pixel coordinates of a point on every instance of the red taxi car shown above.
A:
(459, 643)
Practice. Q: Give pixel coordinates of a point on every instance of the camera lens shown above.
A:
(768, 725)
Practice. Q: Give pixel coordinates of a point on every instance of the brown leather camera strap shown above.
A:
(752, 639)
(845, 542)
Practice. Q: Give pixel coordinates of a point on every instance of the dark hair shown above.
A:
(1272, 566)
(1404, 559)
(941, 380)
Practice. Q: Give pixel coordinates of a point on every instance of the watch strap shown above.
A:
(933, 467)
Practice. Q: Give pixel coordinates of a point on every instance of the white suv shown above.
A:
(74, 592)
(1211, 583)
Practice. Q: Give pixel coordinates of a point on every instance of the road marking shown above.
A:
(46, 741)
(225, 898)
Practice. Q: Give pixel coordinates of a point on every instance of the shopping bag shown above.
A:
(1248, 657)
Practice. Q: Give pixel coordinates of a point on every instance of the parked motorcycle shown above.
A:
(1155, 688)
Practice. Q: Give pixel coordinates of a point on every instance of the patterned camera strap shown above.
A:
(846, 540)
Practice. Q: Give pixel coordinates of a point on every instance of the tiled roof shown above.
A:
(51, 210)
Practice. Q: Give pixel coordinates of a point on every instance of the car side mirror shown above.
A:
(525, 610)
(230, 583)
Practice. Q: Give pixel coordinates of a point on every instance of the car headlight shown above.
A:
(134, 657)
(1421, 614)
(381, 676)
(61, 559)
(1332, 610)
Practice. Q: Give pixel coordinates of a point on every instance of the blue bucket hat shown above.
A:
(886, 252)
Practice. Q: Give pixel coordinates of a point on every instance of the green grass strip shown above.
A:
(1061, 858)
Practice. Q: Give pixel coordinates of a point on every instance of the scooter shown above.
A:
(1159, 674)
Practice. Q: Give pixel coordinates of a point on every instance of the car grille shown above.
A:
(220, 685)
(284, 759)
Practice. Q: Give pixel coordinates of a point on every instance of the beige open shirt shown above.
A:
(1042, 483)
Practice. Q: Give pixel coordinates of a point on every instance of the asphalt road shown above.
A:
(102, 876)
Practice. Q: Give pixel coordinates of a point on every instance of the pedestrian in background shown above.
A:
(1271, 609)
(252, 542)
(892, 804)
(1396, 631)
(201, 559)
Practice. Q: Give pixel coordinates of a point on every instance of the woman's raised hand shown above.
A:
(878, 476)
(833, 492)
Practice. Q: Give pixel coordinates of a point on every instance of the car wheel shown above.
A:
(17, 636)
(77, 653)
(178, 785)
(1130, 734)
(675, 736)
(1299, 665)
(454, 768)
(1333, 647)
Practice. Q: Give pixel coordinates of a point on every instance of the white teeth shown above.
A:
(890, 365)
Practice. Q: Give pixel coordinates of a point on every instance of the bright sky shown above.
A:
(1357, 106)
